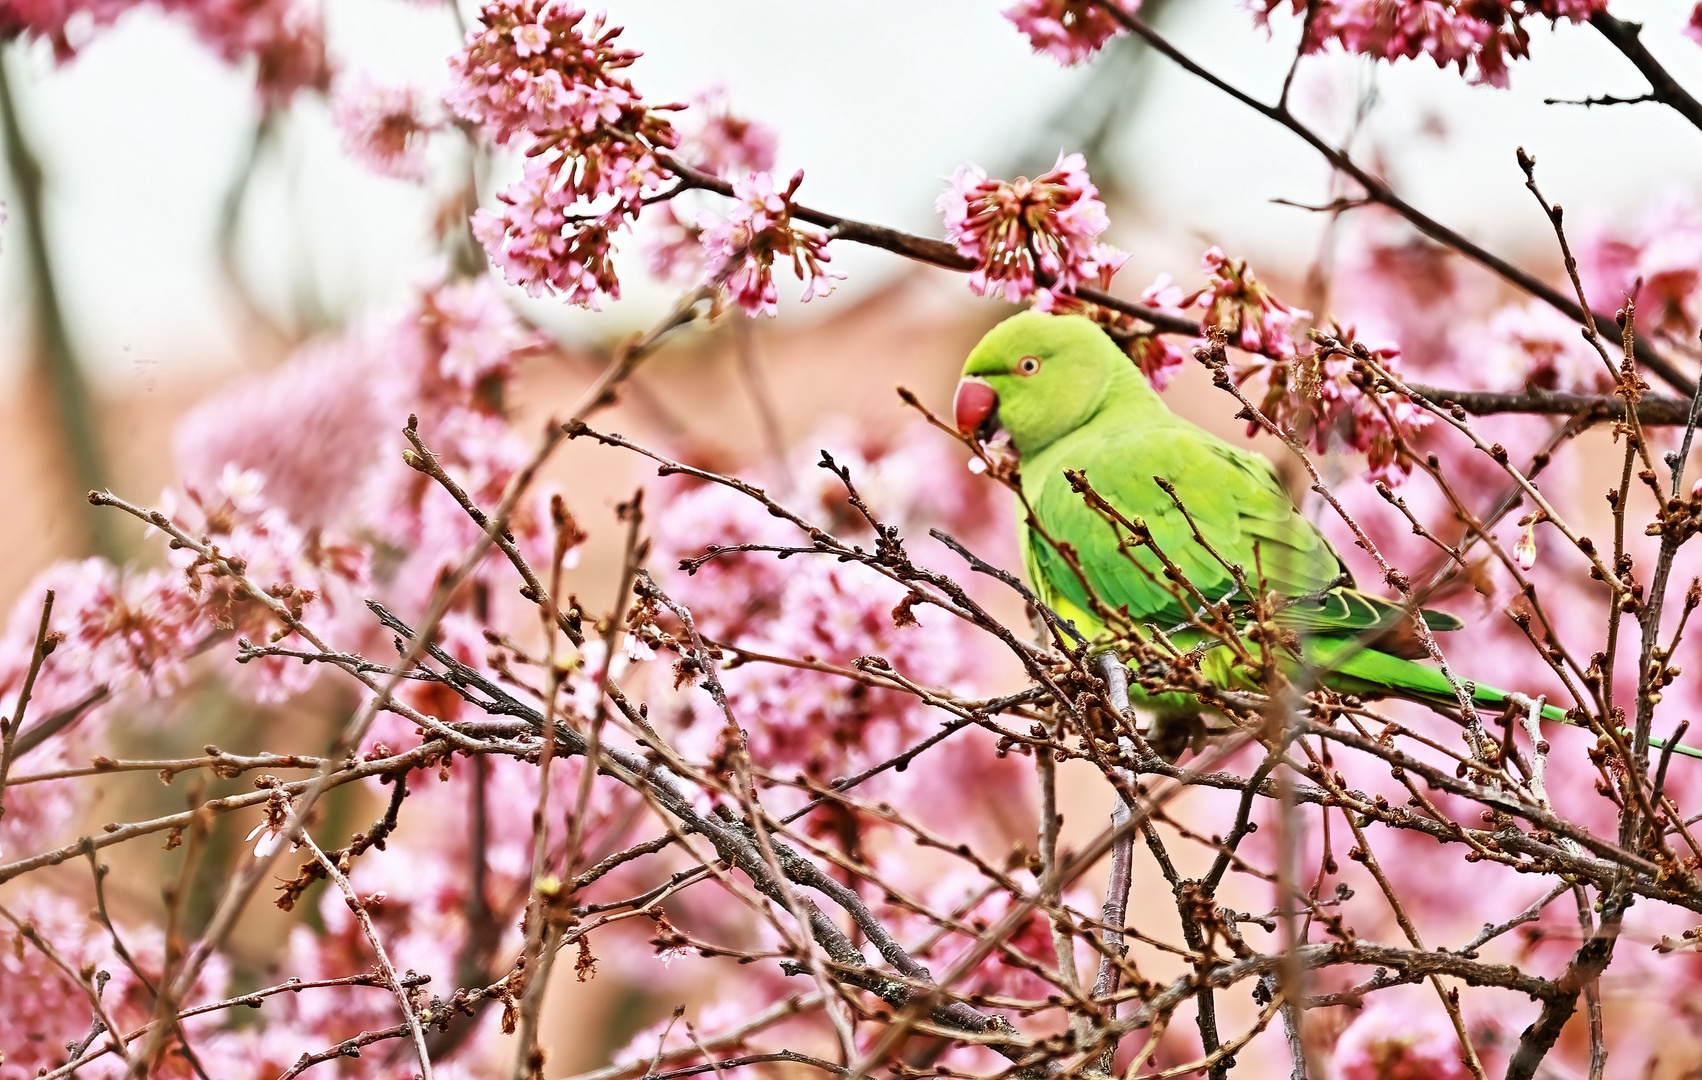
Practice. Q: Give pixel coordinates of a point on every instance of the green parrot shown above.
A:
(1070, 400)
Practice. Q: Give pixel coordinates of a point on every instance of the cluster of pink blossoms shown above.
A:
(810, 606)
(744, 245)
(251, 491)
(45, 1010)
(1323, 395)
(547, 77)
(1253, 317)
(1069, 31)
(295, 567)
(1239, 304)
(1479, 37)
(1029, 237)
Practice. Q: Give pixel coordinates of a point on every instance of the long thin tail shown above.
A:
(1369, 671)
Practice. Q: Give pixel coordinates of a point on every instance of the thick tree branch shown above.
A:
(1627, 38)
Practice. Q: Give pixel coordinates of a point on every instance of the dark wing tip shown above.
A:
(1441, 620)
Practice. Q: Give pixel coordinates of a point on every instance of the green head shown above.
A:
(1039, 377)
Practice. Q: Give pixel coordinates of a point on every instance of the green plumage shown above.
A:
(1085, 408)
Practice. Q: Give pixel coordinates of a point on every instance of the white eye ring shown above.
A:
(1028, 365)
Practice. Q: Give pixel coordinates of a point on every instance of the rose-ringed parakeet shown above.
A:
(1071, 401)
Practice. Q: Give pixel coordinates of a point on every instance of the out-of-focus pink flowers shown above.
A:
(449, 358)
(1391, 1043)
(1534, 345)
(836, 613)
(1479, 38)
(547, 77)
(673, 249)
(130, 633)
(1693, 25)
(1069, 31)
(976, 905)
(1391, 282)
(284, 38)
(45, 1011)
(1663, 250)
(295, 567)
(325, 396)
(1254, 318)
(797, 718)
(1028, 235)
(724, 143)
(758, 230)
(384, 127)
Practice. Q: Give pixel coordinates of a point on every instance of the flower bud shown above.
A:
(1525, 551)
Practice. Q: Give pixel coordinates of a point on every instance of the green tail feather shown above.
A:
(1370, 672)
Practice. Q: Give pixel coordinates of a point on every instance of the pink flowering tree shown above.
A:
(796, 760)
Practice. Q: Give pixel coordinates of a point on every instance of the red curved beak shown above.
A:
(974, 402)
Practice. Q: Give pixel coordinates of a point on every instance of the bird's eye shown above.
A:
(1028, 365)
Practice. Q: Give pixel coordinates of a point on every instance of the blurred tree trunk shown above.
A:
(59, 375)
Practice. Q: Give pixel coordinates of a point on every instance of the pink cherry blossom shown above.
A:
(45, 1010)
(284, 38)
(1027, 234)
(474, 334)
(298, 568)
(1392, 282)
(326, 396)
(530, 39)
(1387, 1042)
(1069, 31)
(976, 903)
(382, 126)
(1693, 25)
(530, 70)
(1255, 319)
(757, 231)
(526, 240)
(834, 612)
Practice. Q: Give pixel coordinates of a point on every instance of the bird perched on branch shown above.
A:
(1139, 524)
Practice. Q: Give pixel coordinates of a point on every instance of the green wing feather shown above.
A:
(1232, 497)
